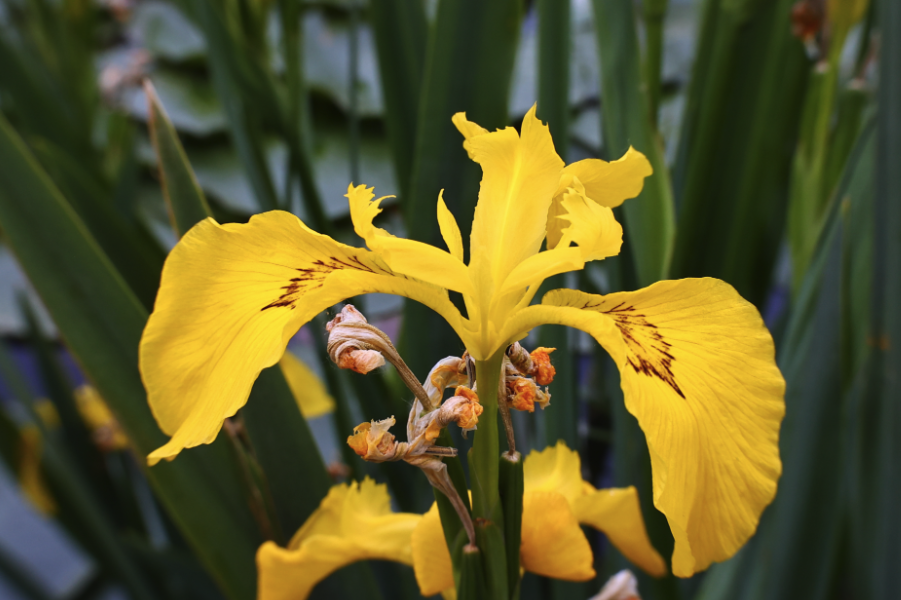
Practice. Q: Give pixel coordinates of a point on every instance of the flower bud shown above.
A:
(622, 586)
(463, 409)
(372, 441)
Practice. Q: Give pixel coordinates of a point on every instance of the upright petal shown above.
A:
(231, 296)
(698, 371)
(553, 544)
(607, 183)
(617, 513)
(406, 257)
(312, 398)
(519, 177)
(450, 231)
(353, 523)
(593, 229)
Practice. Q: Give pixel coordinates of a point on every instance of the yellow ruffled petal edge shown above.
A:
(230, 299)
(312, 398)
(699, 374)
(354, 522)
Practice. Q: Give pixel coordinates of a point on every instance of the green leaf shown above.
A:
(650, 219)
(884, 526)
(400, 30)
(737, 138)
(101, 322)
(186, 202)
(468, 67)
(81, 511)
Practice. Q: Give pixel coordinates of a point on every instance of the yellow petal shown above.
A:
(698, 371)
(554, 469)
(593, 229)
(450, 231)
(310, 394)
(354, 522)
(519, 176)
(607, 183)
(431, 558)
(230, 299)
(31, 476)
(467, 127)
(553, 544)
(617, 513)
(408, 257)
(105, 429)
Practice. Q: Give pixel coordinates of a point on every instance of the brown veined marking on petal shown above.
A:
(649, 349)
(312, 278)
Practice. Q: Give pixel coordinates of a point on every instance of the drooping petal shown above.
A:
(354, 522)
(231, 297)
(554, 469)
(309, 392)
(519, 176)
(553, 544)
(607, 183)
(698, 371)
(407, 257)
(431, 558)
(617, 513)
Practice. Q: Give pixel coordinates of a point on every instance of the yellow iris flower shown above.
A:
(696, 361)
(355, 522)
(556, 501)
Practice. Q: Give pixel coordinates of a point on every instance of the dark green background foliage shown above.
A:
(776, 168)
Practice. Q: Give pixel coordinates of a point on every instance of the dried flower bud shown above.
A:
(622, 586)
(542, 369)
(372, 441)
(463, 409)
(361, 361)
(520, 358)
(447, 372)
(522, 394)
(354, 344)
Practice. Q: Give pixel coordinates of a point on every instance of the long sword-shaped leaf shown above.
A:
(650, 218)
(102, 322)
(400, 29)
(886, 552)
(468, 67)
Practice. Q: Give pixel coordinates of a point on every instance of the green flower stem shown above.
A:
(486, 446)
(484, 472)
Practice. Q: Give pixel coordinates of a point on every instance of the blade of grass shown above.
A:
(102, 323)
